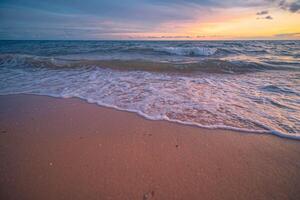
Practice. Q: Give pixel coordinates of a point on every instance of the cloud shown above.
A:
(269, 17)
(125, 10)
(292, 6)
(287, 35)
(166, 37)
(184, 37)
(264, 12)
(50, 19)
(213, 3)
(288, 5)
(262, 15)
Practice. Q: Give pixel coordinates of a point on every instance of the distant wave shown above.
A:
(207, 65)
(179, 51)
(190, 51)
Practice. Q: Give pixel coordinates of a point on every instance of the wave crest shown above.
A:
(190, 51)
(208, 65)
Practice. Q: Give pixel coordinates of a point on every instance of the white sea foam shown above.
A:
(190, 51)
(205, 100)
(229, 85)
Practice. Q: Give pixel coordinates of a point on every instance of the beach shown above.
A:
(250, 86)
(55, 148)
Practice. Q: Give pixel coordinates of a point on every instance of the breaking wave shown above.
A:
(190, 51)
(205, 65)
(251, 86)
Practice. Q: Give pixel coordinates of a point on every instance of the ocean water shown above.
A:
(241, 85)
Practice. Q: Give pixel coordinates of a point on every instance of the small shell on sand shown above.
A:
(148, 195)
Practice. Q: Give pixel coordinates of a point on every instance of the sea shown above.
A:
(248, 86)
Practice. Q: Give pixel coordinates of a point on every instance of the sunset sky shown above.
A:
(150, 19)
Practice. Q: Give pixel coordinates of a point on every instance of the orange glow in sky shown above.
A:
(232, 24)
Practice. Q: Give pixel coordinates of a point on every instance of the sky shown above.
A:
(149, 19)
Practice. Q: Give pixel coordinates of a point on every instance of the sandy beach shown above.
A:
(68, 149)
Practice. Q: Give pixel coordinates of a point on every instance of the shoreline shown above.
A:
(55, 148)
(138, 113)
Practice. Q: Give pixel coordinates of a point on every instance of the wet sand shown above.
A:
(68, 149)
